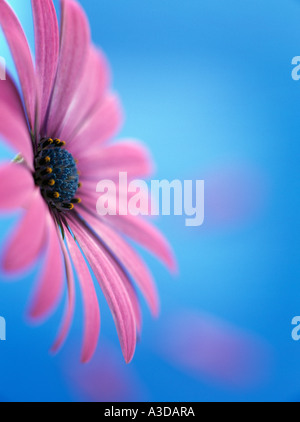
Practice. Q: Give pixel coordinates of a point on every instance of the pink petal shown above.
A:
(28, 239)
(146, 235)
(130, 290)
(91, 306)
(75, 40)
(70, 307)
(21, 53)
(13, 125)
(132, 296)
(89, 94)
(106, 163)
(112, 286)
(128, 258)
(51, 283)
(17, 186)
(46, 49)
(101, 125)
(135, 306)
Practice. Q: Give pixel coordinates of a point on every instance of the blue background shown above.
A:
(207, 86)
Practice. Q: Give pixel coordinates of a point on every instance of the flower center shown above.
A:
(56, 174)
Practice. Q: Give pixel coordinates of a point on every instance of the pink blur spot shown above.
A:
(212, 350)
(105, 379)
(234, 193)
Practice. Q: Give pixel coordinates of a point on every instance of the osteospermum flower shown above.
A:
(59, 128)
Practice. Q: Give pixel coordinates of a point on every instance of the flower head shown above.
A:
(60, 126)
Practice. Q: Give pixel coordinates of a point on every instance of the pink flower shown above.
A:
(61, 138)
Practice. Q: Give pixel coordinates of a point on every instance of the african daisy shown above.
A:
(59, 126)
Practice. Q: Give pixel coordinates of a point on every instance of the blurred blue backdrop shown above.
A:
(207, 86)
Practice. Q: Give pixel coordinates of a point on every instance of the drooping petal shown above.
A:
(147, 235)
(74, 48)
(50, 285)
(128, 258)
(106, 163)
(16, 187)
(28, 239)
(13, 124)
(89, 94)
(70, 306)
(136, 308)
(123, 277)
(101, 126)
(91, 306)
(112, 286)
(22, 56)
(46, 50)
